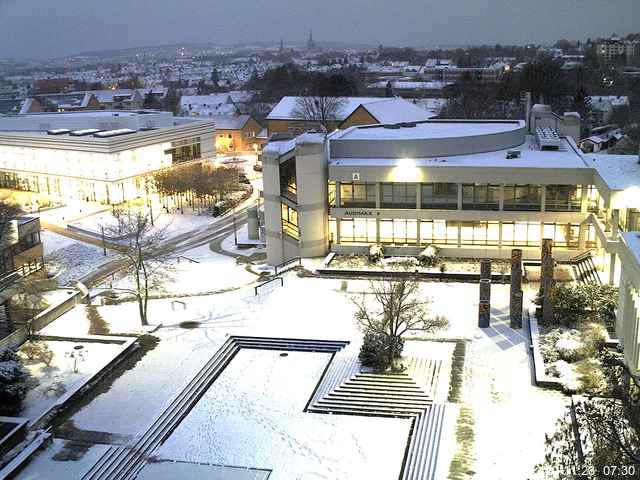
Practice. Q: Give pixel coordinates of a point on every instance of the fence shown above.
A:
(288, 264)
(257, 287)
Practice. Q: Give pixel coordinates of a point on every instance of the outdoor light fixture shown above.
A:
(405, 171)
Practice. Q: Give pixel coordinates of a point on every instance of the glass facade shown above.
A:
(563, 198)
(632, 223)
(522, 197)
(480, 196)
(288, 185)
(440, 232)
(358, 195)
(442, 196)
(290, 221)
(358, 230)
(399, 231)
(399, 195)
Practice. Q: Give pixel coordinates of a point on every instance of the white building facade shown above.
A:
(97, 156)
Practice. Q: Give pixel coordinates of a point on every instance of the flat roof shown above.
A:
(430, 129)
(530, 157)
(619, 172)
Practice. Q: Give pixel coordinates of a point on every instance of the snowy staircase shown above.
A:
(584, 269)
(377, 395)
(120, 463)
(422, 454)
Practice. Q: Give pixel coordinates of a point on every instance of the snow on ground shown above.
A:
(48, 383)
(197, 271)
(74, 260)
(172, 224)
(228, 244)
(151, 379)
(52, 241)
(72, 211)
(511, 414)
(253, 416)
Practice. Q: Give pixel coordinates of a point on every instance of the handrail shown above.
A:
(255, 289)
(287, 263)
(187, 258)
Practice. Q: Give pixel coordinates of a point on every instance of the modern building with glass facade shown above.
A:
(97, 156)
(474, 189)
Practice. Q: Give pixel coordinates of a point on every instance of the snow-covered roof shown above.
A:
(230, 122)
(619, 172)
(429, 130)
(530, 157)
(385, 110)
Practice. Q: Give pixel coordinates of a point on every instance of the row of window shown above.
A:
(290, 221)
(445, 196)
(405, 232)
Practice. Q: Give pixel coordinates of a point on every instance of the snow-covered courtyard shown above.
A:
(253, 414)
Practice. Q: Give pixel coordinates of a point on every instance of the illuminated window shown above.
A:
(438, 232)
(358, 195)
(332, 194)
(290, 221)
(358, 230)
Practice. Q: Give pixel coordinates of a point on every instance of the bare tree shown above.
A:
(143, 259)
(399, 308)
(319, 110)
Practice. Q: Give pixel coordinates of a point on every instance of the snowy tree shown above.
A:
(399, 308)
(320, 110)
(144, 260)
(13, 388)
(8, 212)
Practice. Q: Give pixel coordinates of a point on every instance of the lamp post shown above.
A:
(235, 231)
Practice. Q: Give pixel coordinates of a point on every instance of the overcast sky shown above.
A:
(49, 28)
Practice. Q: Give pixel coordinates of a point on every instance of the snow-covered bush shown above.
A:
(405, 263)
(569, 346)
(376, 252)
(13, 388)
(429, 256)
(374, 351)
(566, 375)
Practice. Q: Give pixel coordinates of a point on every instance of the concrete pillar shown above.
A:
(584, 199)
(547, 281)
(338, 199)
(484, 306)
(582, 236)
(459, 196)
(378, 195)
(418, 199)
(252, 221)
(543, 198)
(485, 268)
(515, 294)
(501, 198)
(612, 269)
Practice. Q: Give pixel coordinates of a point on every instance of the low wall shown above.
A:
(17, 433)
(542, 379)
(44, 318)
(128, 345)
